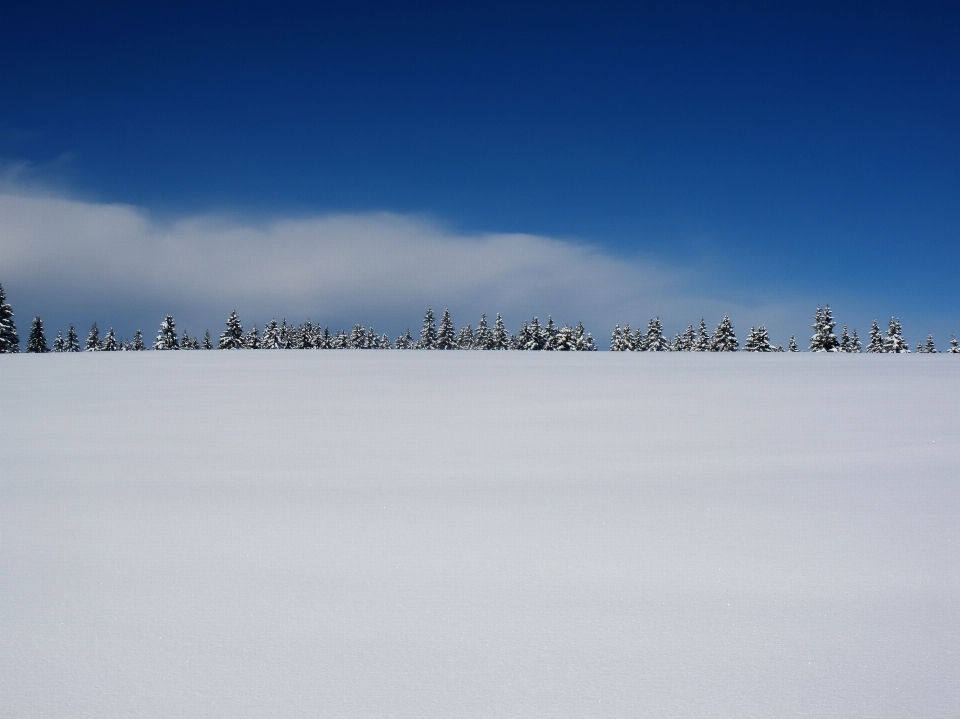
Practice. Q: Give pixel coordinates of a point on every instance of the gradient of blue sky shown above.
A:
(803, 150)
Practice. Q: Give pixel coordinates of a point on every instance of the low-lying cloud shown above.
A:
(377, 268)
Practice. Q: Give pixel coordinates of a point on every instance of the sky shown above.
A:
(601, 162)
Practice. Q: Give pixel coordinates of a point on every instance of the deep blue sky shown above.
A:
(810, 149)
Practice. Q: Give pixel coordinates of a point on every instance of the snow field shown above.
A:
(428, 534)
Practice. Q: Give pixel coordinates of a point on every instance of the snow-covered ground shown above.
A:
(479, 534)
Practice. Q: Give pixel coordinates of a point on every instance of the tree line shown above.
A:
(531, 336)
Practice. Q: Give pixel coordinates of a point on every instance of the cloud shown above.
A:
(377, 268)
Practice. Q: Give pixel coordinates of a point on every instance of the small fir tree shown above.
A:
(844, 340)
(167, 336)
(93, 340)
(876, 344)
(9, 340)
(483, 337)
(465, 339)
(37, 341)
(954, 345)
(894, 341)
(186, 342)
(724, 339)
(428, 333)
(232, 337)
(207, 341)
(405, 342)
(792, 344)
(758, 340)
(270, 340)
(72, 342)
(824, 340)
(930, 348)
(617, 343)
(855, 344)
(109, 343)
(654, 341)
(385, 342)
(446, 335)
(501, 340)
(137, 344)
(702, 343)
(251, 340)
(58, 342)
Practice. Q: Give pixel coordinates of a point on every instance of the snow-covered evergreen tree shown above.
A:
(792, 344)
(617, 343)
(286, 335)
(428, 333)
(501, 340)
(207, 341)
(654, 341)
(304, 336)
(724, 339)
(758, 340)
(251, 340)
(137, 344)
(824, 340)
(358, 338)
(232, 337)
(37, 341)
(270, 339)
(446, 335)
(109, 343)
(844, 340)
(385, 342)
(563, 340)
(894, 341)
(930, 348)
(405, 342)
(93, 340)
(550, 333)
(536, 338)
(583, 340)
(9, 340)
(71, 343)
(483, 337)
(855, 344)
(465, 338)
(186, 342)
(58, 342)
(876, 344)
(684, 342)
(702, 343)
(167, 336)
(954, 346)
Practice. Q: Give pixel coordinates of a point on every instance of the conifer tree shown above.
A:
(358, 338)
(792, 345)
(186, 343)
(232, 337)
(37, 341)
(894, 341)
(465, 339)
(583, 339)
(876, 344)
(844, 340)
(385, 342)
(855, 344)
(616, 340)
(405, 342)
(930, 348)
(535, 339)
(685, 342)
(954, 346)
(428, 334)
(550, 332)
(71, 343)
(702, 343)
(824, 340)
(167, 336)
(324, 340)
(58, 342)
(286, 336)
(207, 342)
(93, 340)
(109, 343)
(251, 341)
(483, 337)
(137, 344)
(9, 340)
(446, 335)
(724, 339)
(270, 340)
(654, 340)
(304, 338)
(501, 340)
(758, 340)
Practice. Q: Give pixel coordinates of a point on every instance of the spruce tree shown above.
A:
(844, 340)
(93, 340)
(616, 340)
(9, 340)
(207, 341)
(404, 342)
(466, 339)
(894, 341)
(385, 342)
(270, 340)
(536, 338)
(446, 335)
(72, 342)
(824, 340)
(654, 340)
(758, 340)
(251, 340)
(232, 337)
(109, 343)
(724, 339)
(304, 339)
(930, 347)
(550, 332)
(501, 340)
(58, 342)
(954, 345)
(792, 344)
(702, 343)
(186, 343)
(37, 341)
(483, 337)
(855, 344)
(167, 336)
(358, 338)
(324, 340)
(876, 344)
(428, 333)
(137, 344)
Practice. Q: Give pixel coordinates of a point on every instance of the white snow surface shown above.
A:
(479, 534)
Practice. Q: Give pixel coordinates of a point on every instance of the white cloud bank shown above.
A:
(375, 268)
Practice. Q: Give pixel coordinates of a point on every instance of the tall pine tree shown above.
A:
(37, 341)
(232, 337)
(109, 343)
(167, 336)
(501, 340)
(93, 340)
(446, 335)
(876, 344)
(824, 340)
(428, 333)
(724, 339)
